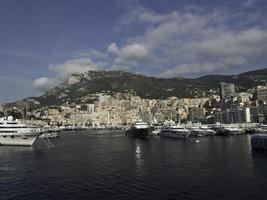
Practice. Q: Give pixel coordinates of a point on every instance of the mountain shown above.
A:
(81, 88)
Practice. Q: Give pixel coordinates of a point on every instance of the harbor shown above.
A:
(133, 100)
(194, 129)
(108, 165)
(14, 133)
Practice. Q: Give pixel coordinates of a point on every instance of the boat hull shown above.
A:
(227, 132)
(174, 134)
(155, 132)
(17, 140)
(138, 132)
(198, 133)
(210, 133)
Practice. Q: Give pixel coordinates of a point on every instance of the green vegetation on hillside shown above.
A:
(146, 87)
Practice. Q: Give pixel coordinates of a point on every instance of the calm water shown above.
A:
(105, 166)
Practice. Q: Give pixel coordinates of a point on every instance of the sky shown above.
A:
(42, 42)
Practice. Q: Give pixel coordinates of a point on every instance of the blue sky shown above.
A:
(43, 41)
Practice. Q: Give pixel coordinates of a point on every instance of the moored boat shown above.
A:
(230, 130)
(170, 129)
(139, 129)
(156, 128)
(196, 131)
(262, 129)
(14, 133)
(207, 130)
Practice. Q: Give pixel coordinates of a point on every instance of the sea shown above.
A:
(109, 165)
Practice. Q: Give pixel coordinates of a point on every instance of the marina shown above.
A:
(171, 129)
(13, 132)
(133, 100)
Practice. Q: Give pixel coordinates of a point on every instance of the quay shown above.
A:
(219, 128)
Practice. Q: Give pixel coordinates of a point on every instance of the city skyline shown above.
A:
(43, 42)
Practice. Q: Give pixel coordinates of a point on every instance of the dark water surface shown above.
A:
(105, 166)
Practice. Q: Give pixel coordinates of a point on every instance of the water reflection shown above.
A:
(139, 160)
(137, 149)
(138, 156)
(259, 159)
(82, 167)
(11, 149)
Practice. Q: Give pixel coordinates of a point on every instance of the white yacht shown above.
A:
(262, 129)
(230, 130)
(14, 133)
(217, 127)
(196, 131)
(156, 128)
(139, 129)
(207, 130)
(170, 129)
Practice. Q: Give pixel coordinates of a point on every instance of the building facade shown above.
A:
(262, 93)
(227, 90)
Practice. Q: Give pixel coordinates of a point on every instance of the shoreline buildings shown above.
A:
(121, 109)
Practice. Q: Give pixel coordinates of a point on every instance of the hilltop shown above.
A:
(80, 88)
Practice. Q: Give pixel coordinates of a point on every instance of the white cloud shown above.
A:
(79, 65)
(139, 13)
(194, 69)
(113, 49)
(193, 42)
(185, 42)
(190, 69)
(134, 52)
(127, 56)
(44, 83)
(64, 70)
(248, 44)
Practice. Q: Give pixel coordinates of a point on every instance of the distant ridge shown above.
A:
(255, 72)
(82, 87)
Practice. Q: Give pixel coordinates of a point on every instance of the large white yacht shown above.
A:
(14, 133)
(170, 129)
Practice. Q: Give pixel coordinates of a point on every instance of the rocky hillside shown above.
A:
(81, 87)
